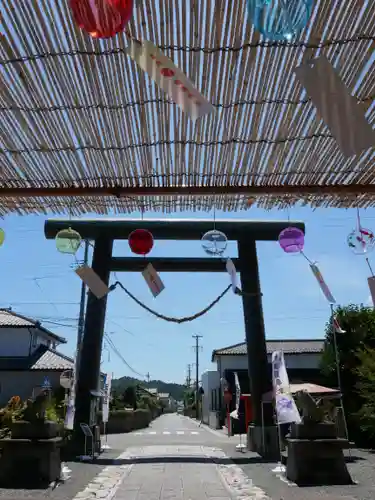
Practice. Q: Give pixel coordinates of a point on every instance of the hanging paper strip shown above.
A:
(323, 285)
(92, 281)
(231, 270)
(371, 285)
(336, 106)
(153, 280)
(169, 78)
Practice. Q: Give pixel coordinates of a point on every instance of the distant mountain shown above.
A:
(175, 390)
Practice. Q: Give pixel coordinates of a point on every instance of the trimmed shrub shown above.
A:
(122, 421)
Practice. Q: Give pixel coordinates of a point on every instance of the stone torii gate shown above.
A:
(103, 232)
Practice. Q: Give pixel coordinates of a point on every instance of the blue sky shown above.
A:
(39, 282)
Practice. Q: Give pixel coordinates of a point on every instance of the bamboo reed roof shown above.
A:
(79, 118)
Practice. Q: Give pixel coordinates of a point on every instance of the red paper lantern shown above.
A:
(102, 18)
(141, 241)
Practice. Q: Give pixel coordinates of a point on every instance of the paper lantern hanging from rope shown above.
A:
(292, 240)
(2, 237)
(279, 20)
(214, 242)
(68, 241)
(361, 241)
(141, 241)
(102, 18)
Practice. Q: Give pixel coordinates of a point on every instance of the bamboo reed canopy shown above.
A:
(83, 129)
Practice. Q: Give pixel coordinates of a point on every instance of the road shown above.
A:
(176, 459)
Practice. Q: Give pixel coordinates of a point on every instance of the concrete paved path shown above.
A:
(174, 460)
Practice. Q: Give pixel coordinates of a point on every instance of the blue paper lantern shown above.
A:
(279, 20)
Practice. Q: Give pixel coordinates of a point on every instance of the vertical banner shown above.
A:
(323, 285)
(234, 413)
(286, 408)
(71, 407)
(107, 394)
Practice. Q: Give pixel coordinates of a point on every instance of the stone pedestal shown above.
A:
(264, 441)
(30, 462)
(315, 456)
(31, 457)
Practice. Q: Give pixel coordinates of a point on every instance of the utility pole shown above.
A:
(188, 377)
(197, 347)
(148, 377)
(81, 319)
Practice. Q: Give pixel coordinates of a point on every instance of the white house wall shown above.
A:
(18, 342)
(210, 381)
(239, 362)
(15, 341)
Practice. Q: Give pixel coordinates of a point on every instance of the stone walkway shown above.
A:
(172, 473)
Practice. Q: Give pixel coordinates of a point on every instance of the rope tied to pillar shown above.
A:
(170, 319)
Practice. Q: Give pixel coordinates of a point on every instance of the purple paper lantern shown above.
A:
(292, 240)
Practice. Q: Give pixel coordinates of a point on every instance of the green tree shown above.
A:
(366, 388)
(358, 323)
(130, 397)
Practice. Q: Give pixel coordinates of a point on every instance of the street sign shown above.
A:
(66, 379)
(46, 383)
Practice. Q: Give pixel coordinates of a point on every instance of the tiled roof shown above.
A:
(10, 319)
(290, 346)
(53, 360)
(42, 359)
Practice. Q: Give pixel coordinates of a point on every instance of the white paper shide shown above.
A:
(286, 408)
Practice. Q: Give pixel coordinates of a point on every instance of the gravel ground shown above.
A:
(82, 473)
(361, 465)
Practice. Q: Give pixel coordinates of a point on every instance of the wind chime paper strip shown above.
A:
(169, 78)
(231, 270)
(93, 282)
(323, 285)
(371, 285)
(339, 110)
(153, 280)
(286, 408)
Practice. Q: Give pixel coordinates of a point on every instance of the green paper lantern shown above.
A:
(68, 241)
(2, 237)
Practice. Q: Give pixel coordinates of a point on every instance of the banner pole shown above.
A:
(338, 371)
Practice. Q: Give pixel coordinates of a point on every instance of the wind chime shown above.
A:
(361, 241)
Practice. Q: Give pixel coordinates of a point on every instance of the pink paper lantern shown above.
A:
(292, 240)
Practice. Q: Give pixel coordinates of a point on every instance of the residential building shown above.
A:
(29, 359)
(302, 359)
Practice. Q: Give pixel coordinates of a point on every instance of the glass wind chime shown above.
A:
(279, 20)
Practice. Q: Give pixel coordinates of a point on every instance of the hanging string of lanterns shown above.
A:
(102, 18)
(279, 20)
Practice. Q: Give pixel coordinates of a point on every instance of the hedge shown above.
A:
(121, 421)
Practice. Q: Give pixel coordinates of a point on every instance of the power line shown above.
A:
(117, 352)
